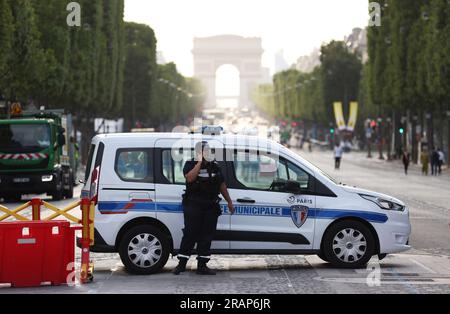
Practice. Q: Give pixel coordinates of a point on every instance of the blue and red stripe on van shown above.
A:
(116, 208)
(110, 208)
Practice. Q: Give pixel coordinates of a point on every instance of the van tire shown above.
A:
(323, 257)
(161, 248)
(353, 233)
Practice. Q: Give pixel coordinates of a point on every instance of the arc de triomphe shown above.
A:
(244, 53)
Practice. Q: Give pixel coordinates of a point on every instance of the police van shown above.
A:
(284, 204)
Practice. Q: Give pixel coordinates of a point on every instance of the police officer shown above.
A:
(204, 182)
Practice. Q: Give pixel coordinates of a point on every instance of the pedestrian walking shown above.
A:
(434, 162)
(424, 160)
(204, 182)
(406, 161)
(338, 152)
(441, 160)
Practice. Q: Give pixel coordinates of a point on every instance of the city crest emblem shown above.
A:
(299, 214)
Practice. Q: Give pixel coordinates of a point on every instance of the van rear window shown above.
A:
(89, 163)
(134, 165)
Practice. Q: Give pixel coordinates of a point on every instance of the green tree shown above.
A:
(27, 66)
(341, 74)
(140, 74)
(55, 41)
(6, 41)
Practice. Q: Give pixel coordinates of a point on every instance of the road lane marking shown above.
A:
(423, 266)
(389, 281)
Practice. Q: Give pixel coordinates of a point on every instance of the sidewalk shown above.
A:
(360, 158)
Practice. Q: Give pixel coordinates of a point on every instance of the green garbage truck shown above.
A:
(38, 155)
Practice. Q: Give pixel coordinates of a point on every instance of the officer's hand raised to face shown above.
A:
(231, 208)
(199, 157)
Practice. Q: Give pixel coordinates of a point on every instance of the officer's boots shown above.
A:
(202, 269)
(181, 267)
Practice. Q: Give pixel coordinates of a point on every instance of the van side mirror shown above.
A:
(293, 187)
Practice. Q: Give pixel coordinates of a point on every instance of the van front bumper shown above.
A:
(395, 233)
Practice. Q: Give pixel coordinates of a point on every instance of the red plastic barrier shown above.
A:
(32, 253)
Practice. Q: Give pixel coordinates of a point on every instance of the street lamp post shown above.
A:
(448, 137)
(380, 139)
(430, 136)
(388, 136)
(414, 136)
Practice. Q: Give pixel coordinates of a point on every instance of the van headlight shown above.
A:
(384, 204)
(47, 178)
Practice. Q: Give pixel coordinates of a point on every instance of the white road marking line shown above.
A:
(423, 266)
(290, 285)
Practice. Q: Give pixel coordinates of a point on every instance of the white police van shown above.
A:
(284, 204)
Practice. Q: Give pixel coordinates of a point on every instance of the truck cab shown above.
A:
(35, 157)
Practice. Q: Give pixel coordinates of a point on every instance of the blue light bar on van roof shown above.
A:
(212, 130)
(209, 130)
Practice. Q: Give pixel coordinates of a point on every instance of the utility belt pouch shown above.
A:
(185, 201)
(217, 207)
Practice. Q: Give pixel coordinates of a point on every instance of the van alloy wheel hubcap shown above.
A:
(144, 250)
(349, 245)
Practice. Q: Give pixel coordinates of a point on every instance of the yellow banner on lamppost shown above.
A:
(339, 114)
(353, 116)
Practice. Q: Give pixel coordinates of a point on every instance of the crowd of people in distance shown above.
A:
(434, 159)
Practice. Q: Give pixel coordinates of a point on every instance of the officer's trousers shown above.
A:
(200, 225)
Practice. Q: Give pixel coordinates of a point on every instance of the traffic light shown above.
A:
(332, 130)
(401, 130)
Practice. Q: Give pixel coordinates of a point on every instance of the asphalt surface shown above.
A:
(424, 269)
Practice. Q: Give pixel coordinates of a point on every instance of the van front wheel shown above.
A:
(144, 250)
(348, 244)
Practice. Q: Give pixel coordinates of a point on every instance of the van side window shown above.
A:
(134, 165)
(258, 171)
(173, 163)
(297, 174)
(89, 163)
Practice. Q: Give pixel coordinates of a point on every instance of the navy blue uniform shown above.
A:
(201, 210)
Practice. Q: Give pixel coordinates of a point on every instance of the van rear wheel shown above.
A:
(144, 250)
(348, 244)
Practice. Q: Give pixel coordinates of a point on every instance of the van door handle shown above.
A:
(246, 200)
(139, 197)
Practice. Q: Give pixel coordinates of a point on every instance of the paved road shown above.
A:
(424, 269)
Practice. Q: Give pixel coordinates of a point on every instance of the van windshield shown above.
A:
(24, 138)
(317, 169)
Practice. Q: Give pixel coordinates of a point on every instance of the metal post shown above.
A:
(36, 204)
(448, 138)
(86, 274)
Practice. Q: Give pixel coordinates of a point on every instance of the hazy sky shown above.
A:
(296, 26)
